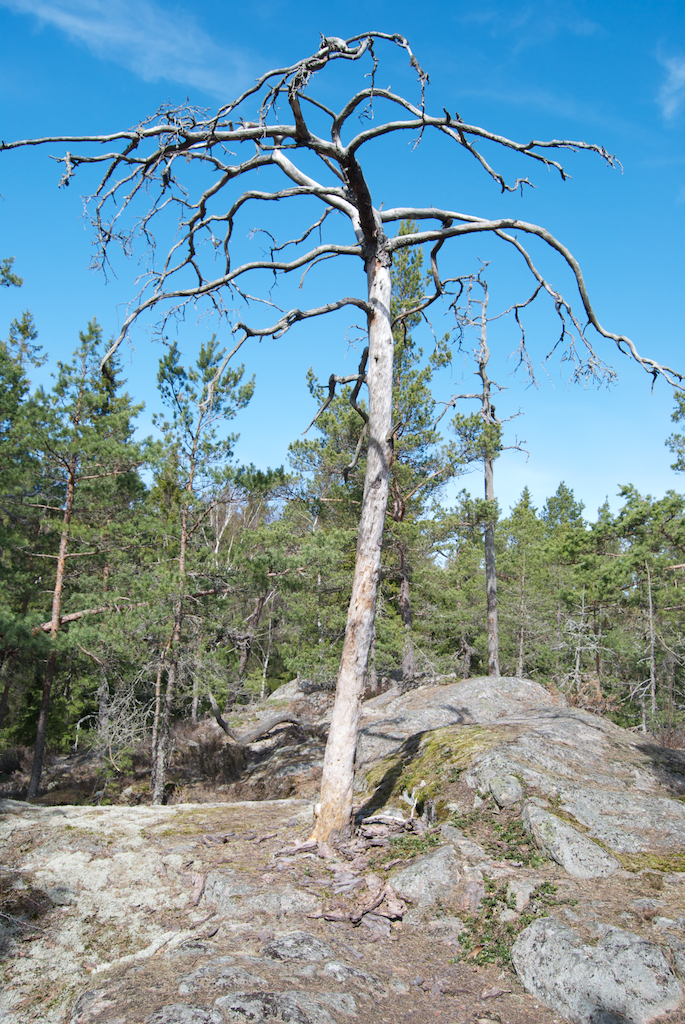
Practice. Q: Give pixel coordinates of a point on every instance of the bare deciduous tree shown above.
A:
(158, 167)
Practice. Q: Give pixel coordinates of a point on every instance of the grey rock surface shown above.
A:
(288, 1007)
(429, 878)
(222, 973)
(619, 785)
(299, 946)
(289, 900)
(346, 976)
(180, 1013)
(579, 856)
(387, 726)
(223, 886)
(624, 979)
(507, 790)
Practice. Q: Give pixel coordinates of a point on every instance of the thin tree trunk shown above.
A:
(579, 642)
(162, 720)
(489, 419)
(161, 726)
(41, 730)
(196, 684)
(246, 650)
(598, 640)
(103, 705)
(652, 647)
(268, 655)
(522, 612)
(161, 753)
(408, 658)
(335, 809)
(491, 579)
(8, 671)
(371, 670)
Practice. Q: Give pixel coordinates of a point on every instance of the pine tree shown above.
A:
(83, 436)
(191, 473)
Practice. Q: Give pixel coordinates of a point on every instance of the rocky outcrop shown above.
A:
(621, 788)
(577, 855)
(429, 879)
(621, 979)
(489, 814)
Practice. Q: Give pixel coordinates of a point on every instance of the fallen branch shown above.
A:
(259, 730)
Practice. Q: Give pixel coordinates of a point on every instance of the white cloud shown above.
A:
(142, 37)
(672, 92)
(530, 23)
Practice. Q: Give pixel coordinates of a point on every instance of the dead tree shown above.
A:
(484, 444)
(281, 129)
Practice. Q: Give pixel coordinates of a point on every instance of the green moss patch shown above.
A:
(426, 764)
(652, 861)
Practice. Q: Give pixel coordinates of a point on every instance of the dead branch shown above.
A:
(259, 730)
(149, 159)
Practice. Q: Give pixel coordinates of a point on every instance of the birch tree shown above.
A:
(277, 144)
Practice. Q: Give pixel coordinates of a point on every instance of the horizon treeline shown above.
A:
(136, 577)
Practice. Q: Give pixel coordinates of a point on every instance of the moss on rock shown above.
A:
(427, 763)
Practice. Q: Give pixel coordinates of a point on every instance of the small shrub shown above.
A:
(488, 940)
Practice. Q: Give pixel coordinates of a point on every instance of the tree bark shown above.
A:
(408, 658)
(162, 720)
(489, 420)
(491, 579)
(247, 640)
(652, 647)
(8, 667)
(103, 704)
(41, 730)
(338, 769)
(161, 751)
(522, 612)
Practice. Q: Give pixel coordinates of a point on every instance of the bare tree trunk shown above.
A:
(7, 671)
(522, 612)
(491, 578)
(246, 649)
(196, 684)
(103, 704)
(652, 647)
(162, 720)
(598, 635)
(371, 670)
(41, 730)
(490, 420)
(161, 726)
(338, 768)
(161, 752)
(408, 658)
(268, 654)
(579, 644)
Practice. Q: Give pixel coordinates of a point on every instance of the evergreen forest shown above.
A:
(144, 580)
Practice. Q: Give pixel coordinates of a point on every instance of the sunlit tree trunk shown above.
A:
(338, 770)
(41, 730)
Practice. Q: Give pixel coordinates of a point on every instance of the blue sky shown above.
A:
(604, 72)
